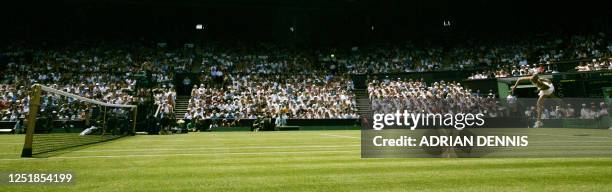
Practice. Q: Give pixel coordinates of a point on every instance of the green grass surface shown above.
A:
(292, 161)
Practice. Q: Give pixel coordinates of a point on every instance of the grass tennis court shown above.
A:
(298, 161)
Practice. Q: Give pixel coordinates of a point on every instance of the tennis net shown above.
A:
(65, 120)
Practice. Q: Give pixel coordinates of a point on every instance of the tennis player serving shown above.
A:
(546, 89)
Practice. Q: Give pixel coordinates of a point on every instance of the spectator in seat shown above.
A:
(281, 120)
(585, 112)
(569, 111)
(559, 112)
(188, 116)
(603, 111)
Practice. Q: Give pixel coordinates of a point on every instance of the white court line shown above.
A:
(218, 148)
(190, 154)
(164, 140)
(577, 146)
(534, 144)
(587, 136)
(340, 136)
(9, 153)
(571, 142)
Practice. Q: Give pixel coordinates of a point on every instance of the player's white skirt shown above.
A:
(548, 91)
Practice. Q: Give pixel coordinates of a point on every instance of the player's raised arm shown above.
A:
(518, 81)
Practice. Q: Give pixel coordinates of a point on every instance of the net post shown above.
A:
(33, 111)
(104, 123)
(134, 121)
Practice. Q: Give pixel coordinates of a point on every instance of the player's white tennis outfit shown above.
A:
(547, 92)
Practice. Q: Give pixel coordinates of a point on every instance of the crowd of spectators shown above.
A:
(103, 72)
(595, 65)
(513, 71)
(15, 101)
(415, 96)
(59, 108)
(254, 59)
(586, 111)
(242, 81)
(296, 96)
(548, 56)
(396, 59)
(527, 70)
(510, 56)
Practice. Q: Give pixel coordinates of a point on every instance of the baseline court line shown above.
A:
(186, 154)
(219, 148)
(574, 136)
(340, 136)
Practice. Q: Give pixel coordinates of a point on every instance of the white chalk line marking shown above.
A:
(340, 136)
(189, 154)
(575, 136)
(220, 148)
